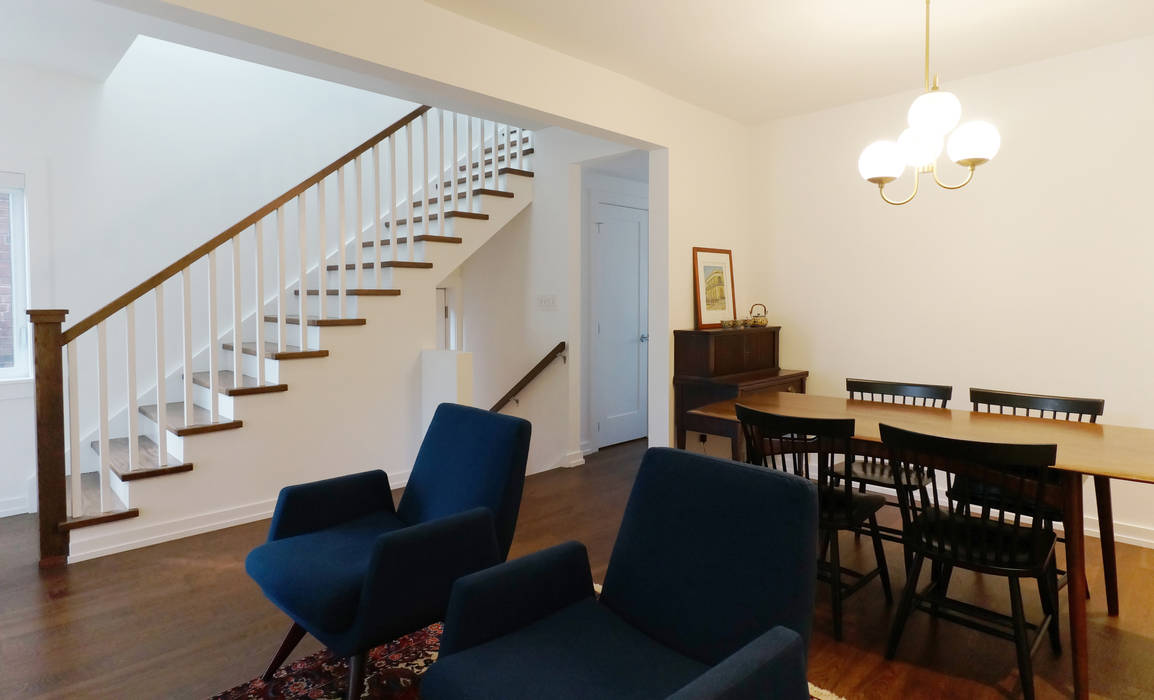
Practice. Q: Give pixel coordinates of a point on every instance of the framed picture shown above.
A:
(713, 287)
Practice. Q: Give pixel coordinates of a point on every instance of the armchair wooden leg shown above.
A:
(291, 640)
(357, 675)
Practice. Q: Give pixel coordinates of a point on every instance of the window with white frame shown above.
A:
(14, 332)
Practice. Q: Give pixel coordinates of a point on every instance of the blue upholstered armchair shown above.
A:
(709, 594)
(355, 573)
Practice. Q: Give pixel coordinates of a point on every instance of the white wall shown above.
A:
(1036, 277)
(702, 185)
(505, 327)
(130, 174)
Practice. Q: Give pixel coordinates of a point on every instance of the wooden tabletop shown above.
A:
(1090, 448)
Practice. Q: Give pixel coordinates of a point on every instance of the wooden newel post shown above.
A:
(50, 465)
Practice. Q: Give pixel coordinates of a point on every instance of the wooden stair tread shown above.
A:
(147, 453)
(384, 263)
(433, 216)
(272, 351)
(477, 176)
(99, 518)
(318, 322)
(489, 161)
(477, 192)
(354, 292)
(201, 419)
(402, 240)
(226, 384)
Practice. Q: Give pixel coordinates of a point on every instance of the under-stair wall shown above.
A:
(331, 367)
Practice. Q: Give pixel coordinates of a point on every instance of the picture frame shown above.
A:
(713, 296)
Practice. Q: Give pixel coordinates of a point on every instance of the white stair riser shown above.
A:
(175, 442)
(390, 278)
(312, 336)
(249, 363)
(202, 396)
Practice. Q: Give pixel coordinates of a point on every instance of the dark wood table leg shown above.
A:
(1106, 530)
(1076, 586)
(681, 438)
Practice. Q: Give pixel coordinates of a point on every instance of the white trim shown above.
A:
(125, 538)
(13, 506)
(574, 458)
(13, 389)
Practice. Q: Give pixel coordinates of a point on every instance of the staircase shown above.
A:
(285, 349)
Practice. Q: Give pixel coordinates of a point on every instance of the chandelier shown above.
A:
(932, 120)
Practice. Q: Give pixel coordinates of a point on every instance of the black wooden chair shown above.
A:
(869, 466)
(1068, 408)
(994, 539)
(808, 447)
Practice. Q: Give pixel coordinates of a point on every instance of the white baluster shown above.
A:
(258, 253)
(302, 233)
(75, 462)
(453, 160)
(411, 229)
(161, 382)
(130, 361)
(494, 154)
(282, 339)
(237, 320)
(213, 355)
(392, 198)
(425, 207)
(186, 365)
(469, 166)
(342, 243)
(376, 216)
(378, 241)
(440, 171)
(102, 424)
(509, 145)
(322, 268)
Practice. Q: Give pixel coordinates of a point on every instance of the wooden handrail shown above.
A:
(159, 278)
(537, 369)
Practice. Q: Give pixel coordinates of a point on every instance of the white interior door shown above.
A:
(619, 367)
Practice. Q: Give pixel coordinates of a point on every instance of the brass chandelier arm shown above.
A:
(927, 45)
(907, 200)
(965, 182)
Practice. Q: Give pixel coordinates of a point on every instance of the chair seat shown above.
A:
(875, 472)
(839, 509)
(979, 494)
(316, 578)
(984, 544)
(582, 652)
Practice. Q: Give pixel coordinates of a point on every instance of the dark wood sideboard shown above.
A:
(725, 363)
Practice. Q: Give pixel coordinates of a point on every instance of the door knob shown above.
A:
(644, 337)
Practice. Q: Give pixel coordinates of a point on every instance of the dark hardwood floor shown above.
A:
(182, 620)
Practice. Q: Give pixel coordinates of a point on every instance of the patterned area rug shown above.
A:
(393, 673)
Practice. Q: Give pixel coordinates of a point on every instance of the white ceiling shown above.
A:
(755, 60)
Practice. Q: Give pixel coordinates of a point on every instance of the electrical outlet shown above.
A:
(547, 302)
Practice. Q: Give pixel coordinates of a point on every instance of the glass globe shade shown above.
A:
(881, 162)
(919, 148)
(974, 143)
(935, 112)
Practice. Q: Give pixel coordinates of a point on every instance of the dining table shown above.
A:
(1103, 452)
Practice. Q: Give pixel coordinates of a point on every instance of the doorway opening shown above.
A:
(615, 290)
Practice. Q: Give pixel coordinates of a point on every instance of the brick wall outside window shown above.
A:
(6, 358)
